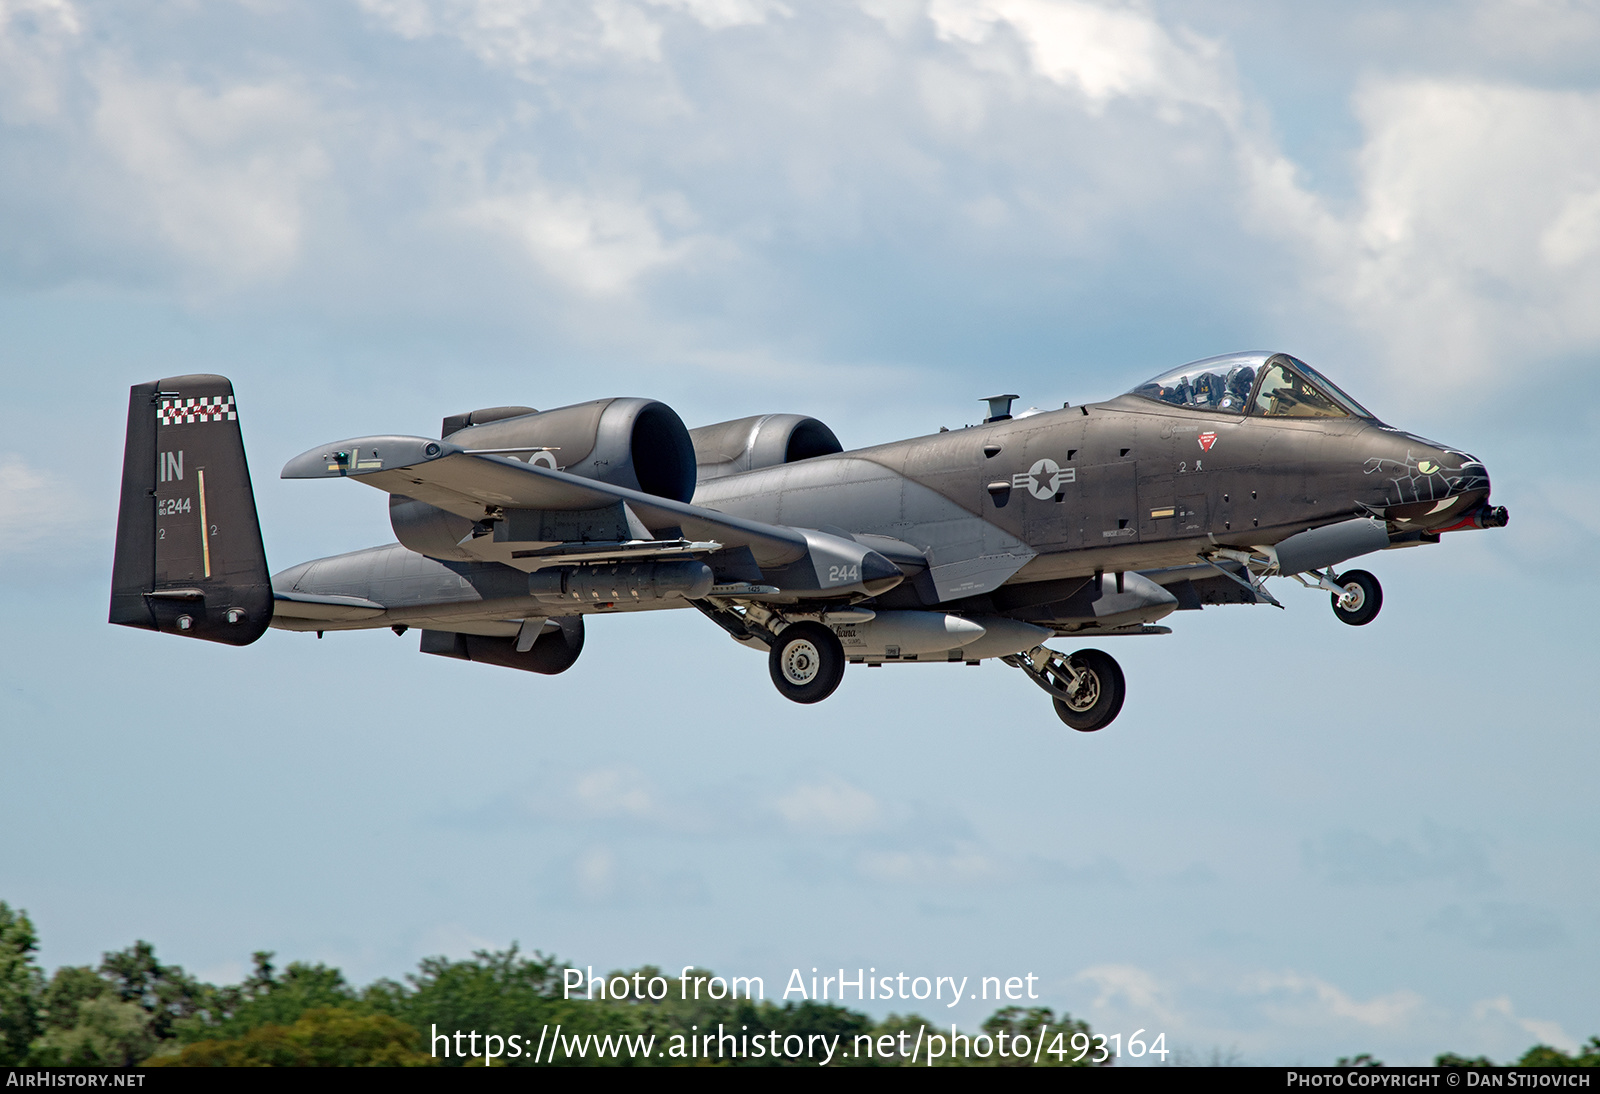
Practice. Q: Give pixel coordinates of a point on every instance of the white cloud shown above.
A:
(594, 243)
(1539, 29)
(219, 177)
(964, 864)
(527, 35)
(1543, 1030)
(452, 939)
(1574, 234)
(1263, 1013)
(1473, 239)
(1104, 51)
(1354, 858)
(34, 34)
(1132, 988)
(832, 806)
(611, 792)
(1475, 244)
(598, 875)
(36, 507)
(721, 14)
(1299, 999)
(520, 34)
(595, 873)
(1255, 1014)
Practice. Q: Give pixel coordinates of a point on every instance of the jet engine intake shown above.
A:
(765, 440)
(623, 582)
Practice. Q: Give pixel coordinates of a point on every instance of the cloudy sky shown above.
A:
(1299, 841)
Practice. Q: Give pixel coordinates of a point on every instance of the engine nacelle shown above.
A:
(765, 440)
(637, 443)
(555, 651)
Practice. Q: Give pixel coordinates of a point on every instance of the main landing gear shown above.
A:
(1087, 687)
(806, 662)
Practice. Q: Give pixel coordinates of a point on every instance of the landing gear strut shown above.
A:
(1087, 687)
(1356, 594)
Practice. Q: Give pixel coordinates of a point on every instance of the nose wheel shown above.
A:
(1358, 598)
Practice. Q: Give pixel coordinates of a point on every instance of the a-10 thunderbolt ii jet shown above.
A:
(982, 542)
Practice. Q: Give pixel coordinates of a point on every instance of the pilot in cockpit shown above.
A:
(1240, 381)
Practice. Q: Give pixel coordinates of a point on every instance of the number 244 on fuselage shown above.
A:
(983, 542)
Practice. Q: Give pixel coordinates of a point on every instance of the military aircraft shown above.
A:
(981, 542)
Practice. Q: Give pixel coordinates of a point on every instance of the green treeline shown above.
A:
(1537, 1056)
(133, 1009)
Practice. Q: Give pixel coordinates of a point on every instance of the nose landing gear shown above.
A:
(1357, 597)
(1356, 594)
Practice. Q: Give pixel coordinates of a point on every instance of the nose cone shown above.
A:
(1423, 485)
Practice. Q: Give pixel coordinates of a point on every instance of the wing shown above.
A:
(494, 490)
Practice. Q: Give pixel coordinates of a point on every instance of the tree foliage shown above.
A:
(21, 981)
(135, 1009)
(106, 1032)
(1537, 1056)
(319, 1037)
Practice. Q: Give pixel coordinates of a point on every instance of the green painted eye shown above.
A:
(1427, 467)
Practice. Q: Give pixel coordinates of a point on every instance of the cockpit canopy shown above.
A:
(1271, 385)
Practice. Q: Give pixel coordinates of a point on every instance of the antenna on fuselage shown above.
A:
(999, 407)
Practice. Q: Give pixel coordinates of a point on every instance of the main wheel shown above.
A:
(1362, 598)
(1097, 698)
(807, 662)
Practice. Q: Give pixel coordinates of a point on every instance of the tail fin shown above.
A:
(189, 555)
